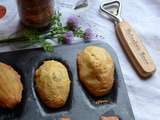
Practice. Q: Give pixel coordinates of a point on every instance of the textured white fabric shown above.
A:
(144, 16)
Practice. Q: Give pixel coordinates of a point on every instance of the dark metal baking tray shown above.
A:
(80, 105)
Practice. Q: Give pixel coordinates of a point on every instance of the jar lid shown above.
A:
(2, 11)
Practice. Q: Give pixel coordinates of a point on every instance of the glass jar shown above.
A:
(35, 13)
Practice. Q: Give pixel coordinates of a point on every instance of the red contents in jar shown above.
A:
(2, 11)
(35, 13)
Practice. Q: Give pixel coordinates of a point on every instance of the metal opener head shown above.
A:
(113, 9)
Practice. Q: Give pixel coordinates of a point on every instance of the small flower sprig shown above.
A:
(63, 33)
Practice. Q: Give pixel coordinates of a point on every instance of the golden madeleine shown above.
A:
(10, 87)
(52, 83)
(96, 70)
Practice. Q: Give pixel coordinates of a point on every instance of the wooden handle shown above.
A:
(135, 49)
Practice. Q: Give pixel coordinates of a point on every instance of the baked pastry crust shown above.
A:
(65, 118)
(52, 83)
(10, 87)
(96, 70)
(109, 118)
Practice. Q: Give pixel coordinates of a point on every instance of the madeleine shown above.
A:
(52, 83)
(96, 70)
(10, 87)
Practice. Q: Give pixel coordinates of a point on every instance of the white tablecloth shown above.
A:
(144, 16)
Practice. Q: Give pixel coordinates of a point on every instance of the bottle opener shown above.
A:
(129, 39)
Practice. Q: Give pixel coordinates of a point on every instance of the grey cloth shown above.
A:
(144, 16)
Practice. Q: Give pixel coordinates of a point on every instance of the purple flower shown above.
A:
(72, 22)
(68, 37)
(88, 34)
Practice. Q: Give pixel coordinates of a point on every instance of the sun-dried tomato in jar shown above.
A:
(35, 13)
